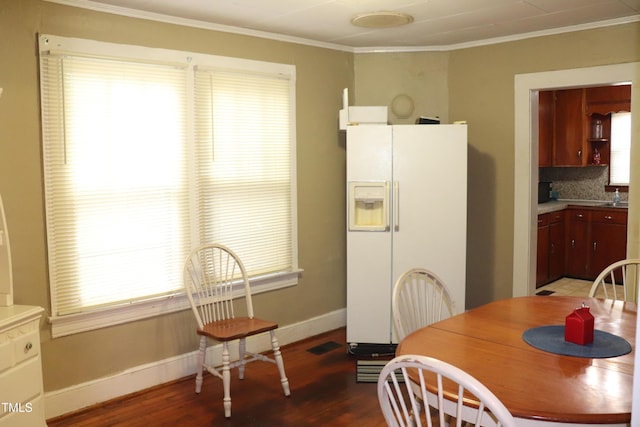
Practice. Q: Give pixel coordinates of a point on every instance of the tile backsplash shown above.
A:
(581, 183)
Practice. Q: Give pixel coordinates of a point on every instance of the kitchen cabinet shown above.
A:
(569, 142)
(596, 237)
(557, 254)
(577, 242)
(546, 114)
(551, 252)
(542, 265)
(600, 103)
(608, 239)
(565, 123)
(604, 100)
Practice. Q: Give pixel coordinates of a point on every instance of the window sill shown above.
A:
(82, 322)
(612, 188)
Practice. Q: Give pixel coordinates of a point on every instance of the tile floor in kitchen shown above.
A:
(568, 286)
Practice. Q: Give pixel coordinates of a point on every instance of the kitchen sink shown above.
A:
(616, 205)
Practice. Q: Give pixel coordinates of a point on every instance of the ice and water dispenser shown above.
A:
(368, 210)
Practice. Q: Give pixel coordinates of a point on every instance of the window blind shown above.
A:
(244, 166)
(619, 171)
(116, 182)
(148, 153)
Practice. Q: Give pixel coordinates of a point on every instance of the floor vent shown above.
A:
(368, 371)
(324, 348)
(545, 293)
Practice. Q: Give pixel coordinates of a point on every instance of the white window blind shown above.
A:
(620, 148)
(244, 166)
(148, 153)
(115, 180)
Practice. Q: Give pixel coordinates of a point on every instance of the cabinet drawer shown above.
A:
(22, 383)
(612, 216)
(28, 414)
(543, 220)
(578, 215)
(26, 346)
(556, 217)
(6, 355)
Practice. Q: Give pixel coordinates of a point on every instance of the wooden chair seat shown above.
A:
(234, 329)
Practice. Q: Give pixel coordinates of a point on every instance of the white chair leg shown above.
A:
(201, 355)
(242, 347)
(278, 357)
(226, 380)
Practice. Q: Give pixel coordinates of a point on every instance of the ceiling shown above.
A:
(437, 24)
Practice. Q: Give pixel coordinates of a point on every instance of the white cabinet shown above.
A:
(21, 392)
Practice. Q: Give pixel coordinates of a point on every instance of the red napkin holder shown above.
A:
(578, 327)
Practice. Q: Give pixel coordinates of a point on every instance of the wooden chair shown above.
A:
(401, 396)
(616, 279)
(419, 299)
(212, 275)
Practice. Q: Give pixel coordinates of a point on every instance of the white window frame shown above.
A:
(620, 149)
(109, 316)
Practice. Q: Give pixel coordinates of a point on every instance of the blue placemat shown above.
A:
(551, 338)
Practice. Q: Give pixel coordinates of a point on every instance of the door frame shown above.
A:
(526, 89)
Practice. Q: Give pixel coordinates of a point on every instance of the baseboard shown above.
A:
(70, 399)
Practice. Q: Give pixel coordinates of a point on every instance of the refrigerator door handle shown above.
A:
(396, 206)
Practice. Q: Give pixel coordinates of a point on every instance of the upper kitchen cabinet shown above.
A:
(575, 123)
(608, 99)
(601, 102)
(569, 148)
(561, 128)
(546, 113)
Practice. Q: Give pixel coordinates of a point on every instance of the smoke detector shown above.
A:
(383, 19)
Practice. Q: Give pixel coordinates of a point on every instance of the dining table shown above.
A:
(539, 387)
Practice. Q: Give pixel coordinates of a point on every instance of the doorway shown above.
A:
(526, 158)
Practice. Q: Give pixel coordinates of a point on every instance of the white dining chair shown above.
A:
(211, 272)
(614, 281)
(420, 298)
(407, 381)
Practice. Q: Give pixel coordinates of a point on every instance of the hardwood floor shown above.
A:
(324, 392)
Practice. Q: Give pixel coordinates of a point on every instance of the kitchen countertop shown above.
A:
(560, 204)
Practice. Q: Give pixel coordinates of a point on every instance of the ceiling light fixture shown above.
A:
(384, 19)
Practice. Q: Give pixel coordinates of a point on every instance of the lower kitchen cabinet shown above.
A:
(577, 242)
(596, 238)
(551, 243)
(542, 267)
(608, 239)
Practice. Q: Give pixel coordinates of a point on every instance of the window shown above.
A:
(148, 153)
(620, 149)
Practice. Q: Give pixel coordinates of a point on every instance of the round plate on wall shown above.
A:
(402, 106)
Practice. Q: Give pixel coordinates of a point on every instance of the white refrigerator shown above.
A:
(406, 208)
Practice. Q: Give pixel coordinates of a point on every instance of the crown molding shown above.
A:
(132, 13)
(203, 25)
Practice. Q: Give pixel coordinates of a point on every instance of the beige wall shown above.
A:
(480, 90)
(474, 84)
(321, 76)
(380, 77)
(485, 97)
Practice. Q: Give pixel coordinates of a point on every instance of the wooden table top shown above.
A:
(534, 384)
